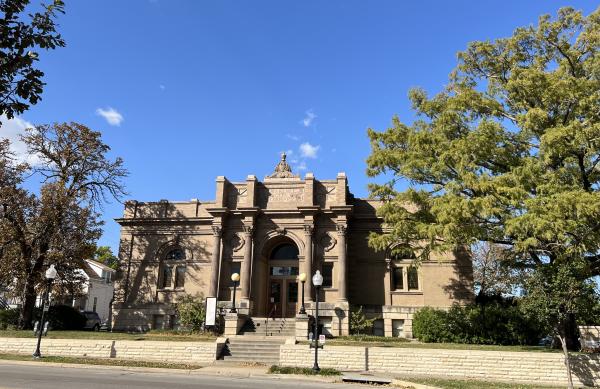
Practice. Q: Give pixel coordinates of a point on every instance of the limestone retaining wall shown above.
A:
(527, 367)
(157, 351)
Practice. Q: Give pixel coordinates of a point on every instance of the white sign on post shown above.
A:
(211, 311)
(322, 339)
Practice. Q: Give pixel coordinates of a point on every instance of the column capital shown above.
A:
(217, 230)
(308, 229)
(341, 229)
(248, 230)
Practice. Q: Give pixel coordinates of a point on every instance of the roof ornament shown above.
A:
(283, 169)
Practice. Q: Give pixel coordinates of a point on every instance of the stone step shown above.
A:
(253, 344)
(266, 361)
(250, 354)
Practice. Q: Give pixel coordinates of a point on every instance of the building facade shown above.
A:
(269, 232)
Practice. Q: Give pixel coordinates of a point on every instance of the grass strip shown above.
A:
(100, 361)
(302, 371)
(472, 384)
(168, 336)
(383, 342)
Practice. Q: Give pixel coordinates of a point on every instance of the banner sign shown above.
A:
(211, 311)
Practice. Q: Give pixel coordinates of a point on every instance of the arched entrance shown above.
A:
(283, 267)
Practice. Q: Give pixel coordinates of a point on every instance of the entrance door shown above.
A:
(291, 301)
(275, 298)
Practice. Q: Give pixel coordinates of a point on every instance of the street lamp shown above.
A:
(50, 276)
(235, 277)
(302, 278)
(317, 282)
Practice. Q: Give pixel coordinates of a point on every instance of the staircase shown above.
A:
(259, 341)
(272, 327)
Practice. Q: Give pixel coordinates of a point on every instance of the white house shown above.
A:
(97, 290)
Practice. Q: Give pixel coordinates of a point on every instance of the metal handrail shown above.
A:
(272, 313)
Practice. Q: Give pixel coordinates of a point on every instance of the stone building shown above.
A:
(268, 232)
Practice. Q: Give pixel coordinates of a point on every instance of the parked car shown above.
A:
(92, 321)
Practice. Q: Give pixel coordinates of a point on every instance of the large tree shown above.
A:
(60, 225)
(507, 153)
(22, 35)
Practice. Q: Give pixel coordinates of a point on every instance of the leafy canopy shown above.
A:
(21, 36)
(507, 153)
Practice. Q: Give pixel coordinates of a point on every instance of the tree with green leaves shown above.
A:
(554, 294)
(359, 323)
(105, 255)
(507, 153)
(59, 225)
(22, 35)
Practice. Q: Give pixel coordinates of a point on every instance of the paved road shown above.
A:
(40, 376)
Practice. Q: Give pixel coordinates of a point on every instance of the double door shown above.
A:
(283, 297)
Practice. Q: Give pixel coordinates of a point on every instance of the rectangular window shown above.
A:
(95, 304)
(284, 270)
(179, 276)
(378, 328)
(397, 278)
(413, 278)
(236, 267)
(327, 328)
(158, 322)
(327, 275)
(398, 328)
(166, 276)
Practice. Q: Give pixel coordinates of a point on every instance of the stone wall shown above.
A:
(542, 368)
(156, 351)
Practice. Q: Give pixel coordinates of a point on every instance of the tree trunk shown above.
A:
(29, 298)
(563, 342)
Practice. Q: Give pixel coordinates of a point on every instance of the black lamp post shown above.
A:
(317, 282)
(235, 277)
(302, 278)
(50, 276)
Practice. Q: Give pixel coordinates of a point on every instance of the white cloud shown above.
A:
(13, 129)
(293, 137)
(300, 167)
(309, 151)
(112, 116)
(309, 118)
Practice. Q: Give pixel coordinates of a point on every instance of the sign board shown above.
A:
(322, 339)
(46, 308)
(211, 311)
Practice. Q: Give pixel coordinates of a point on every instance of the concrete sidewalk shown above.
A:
(229, 370)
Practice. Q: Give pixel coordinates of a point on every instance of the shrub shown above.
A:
(191, 312)
(359, 324)
(9, 318)
(499, 323)
(63, 317)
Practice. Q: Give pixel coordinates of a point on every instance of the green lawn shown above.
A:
(98, 361)
(374, 341)
(464, 384)
(153, 335)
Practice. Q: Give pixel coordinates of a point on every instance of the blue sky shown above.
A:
(188, 90)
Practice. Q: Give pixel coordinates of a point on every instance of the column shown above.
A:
(308, 245)
(246, 265)
(342, 262)
(215, 261)
(387, 283)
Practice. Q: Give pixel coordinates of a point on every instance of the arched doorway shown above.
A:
(283, 267)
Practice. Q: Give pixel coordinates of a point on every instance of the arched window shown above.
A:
(172, 274)
(285, 251)
(402, 252)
